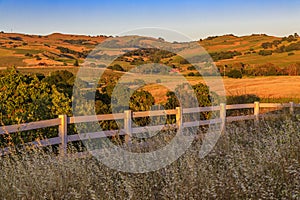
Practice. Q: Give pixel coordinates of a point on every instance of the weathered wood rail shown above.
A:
(62, 121)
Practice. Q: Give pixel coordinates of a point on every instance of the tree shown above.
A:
(265, 52)
(116, 67)
(76, 63)
(141, 100)
(234, 74)
(203, 95)
(24, 98)
(63, 80)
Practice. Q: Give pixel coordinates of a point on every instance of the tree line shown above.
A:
(33, 97)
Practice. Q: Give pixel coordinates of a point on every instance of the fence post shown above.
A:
(63, 134)
(128, 125)
(292, 108)
(256, 110)
(223, 116)
(179, 118)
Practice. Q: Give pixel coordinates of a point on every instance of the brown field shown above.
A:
(264, 87)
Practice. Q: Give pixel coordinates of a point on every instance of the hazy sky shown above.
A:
(196, 19)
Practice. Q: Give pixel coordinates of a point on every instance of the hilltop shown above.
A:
(51, 50)
(63, 49)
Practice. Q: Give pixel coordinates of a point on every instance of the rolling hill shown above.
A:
(57, 49)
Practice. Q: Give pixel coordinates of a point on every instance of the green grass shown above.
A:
(248, 162)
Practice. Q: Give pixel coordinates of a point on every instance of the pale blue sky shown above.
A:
(196, 19)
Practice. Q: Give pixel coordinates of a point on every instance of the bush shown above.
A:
(240, 99)
(38, 58)
(191, 68)
(265, 52)
(116, 67)
(197, 74)
(224, 55)
(234, 74)
(28, 54)
(76, 63)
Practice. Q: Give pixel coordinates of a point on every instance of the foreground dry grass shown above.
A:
(248, 162)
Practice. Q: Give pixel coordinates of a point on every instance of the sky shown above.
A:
(192, 18)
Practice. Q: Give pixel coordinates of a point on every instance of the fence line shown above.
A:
(62, 121)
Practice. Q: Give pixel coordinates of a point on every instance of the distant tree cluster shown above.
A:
(16, 38)
(281, 49)
(268, 69)
(78, 54)
(234, 73)
(291, 38)
(216, 56)
(265, 52)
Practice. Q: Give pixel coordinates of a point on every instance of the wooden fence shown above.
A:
(62, 122)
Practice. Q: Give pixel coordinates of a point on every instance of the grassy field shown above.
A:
(269, 86)
(248, 162)
(276, 87)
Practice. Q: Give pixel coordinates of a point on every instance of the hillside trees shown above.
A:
(216, 56)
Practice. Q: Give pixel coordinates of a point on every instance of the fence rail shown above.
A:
(128, 115)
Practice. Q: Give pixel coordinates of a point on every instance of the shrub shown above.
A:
(76, 63)
(38, 57)
(234, 74)
(116, 67)
(265, 52)
(240, 99)
(224, 55)
(28, 54)
(191, 68)
(197, 74)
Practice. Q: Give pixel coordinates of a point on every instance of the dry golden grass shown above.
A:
(263, 87)
(248, 162)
